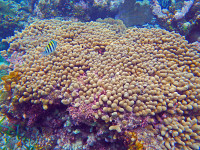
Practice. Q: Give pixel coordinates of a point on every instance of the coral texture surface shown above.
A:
(140, 83)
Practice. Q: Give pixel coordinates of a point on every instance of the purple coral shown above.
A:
(187, 5)
(81, 4)
(156, 10)
(83, 113)
(16, 57)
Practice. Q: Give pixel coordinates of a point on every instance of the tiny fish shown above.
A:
(19, 144)
(50, 48)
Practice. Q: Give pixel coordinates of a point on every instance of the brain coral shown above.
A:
(131, 79)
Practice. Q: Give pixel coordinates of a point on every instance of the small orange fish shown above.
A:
(19, 144)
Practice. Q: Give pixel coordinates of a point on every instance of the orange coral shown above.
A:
(133, 142)
(8, 79)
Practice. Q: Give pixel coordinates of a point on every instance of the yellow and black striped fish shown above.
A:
(51, 47)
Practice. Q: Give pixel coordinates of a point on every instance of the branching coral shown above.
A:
(180, 16)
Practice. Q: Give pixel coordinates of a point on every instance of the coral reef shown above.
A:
(80, 9)
(12, 17)
(12, 136)
(106, 85)
(180, 16)
(110, 5)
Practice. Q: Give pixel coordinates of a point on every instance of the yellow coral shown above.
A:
(8, 79)
(133, 142)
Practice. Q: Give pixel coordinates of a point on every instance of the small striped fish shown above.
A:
(51, 47)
